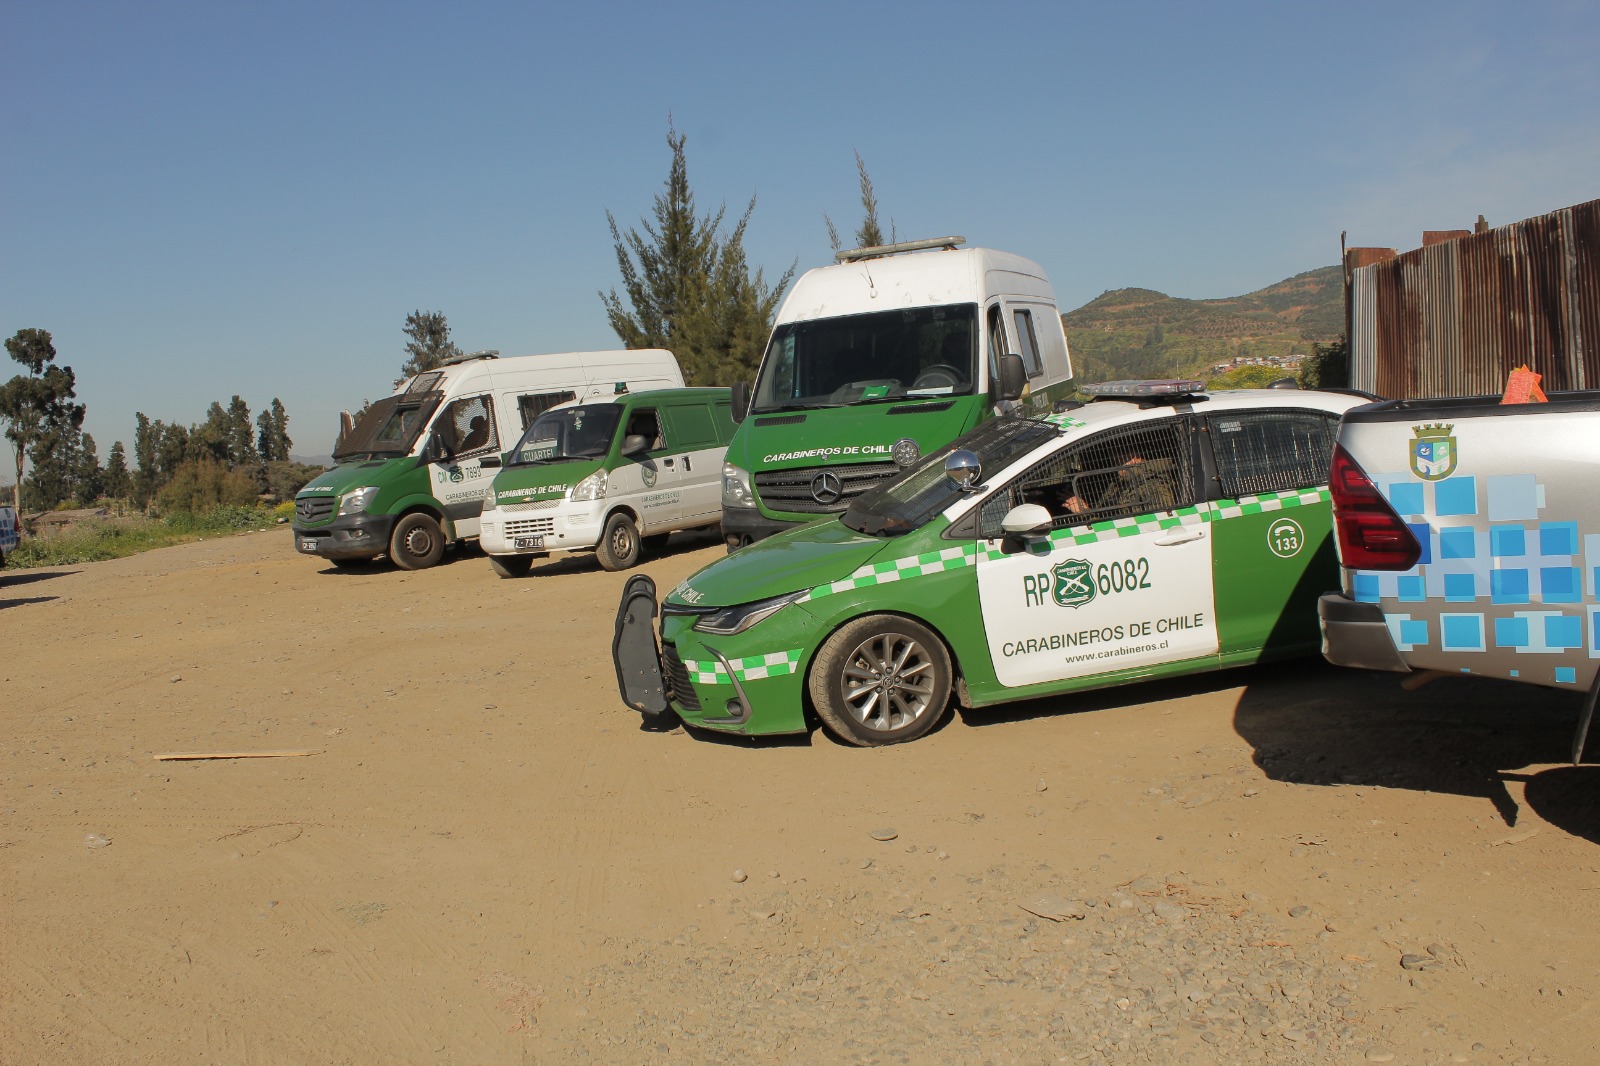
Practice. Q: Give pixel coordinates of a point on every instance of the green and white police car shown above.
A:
(1158, 530)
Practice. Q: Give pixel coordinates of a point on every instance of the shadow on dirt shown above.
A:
(1567, 797)
(12, 579)
(584, 562)
(1316, 724)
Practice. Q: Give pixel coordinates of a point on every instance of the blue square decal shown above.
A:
(1507, 540)
(1513, 498)
(1460, 587)
(1409, 589)
(1559, 584)
(1458, 542)
(1511, 632)
(1366, 588)
(1406, 497)
(1566, 675)
(1508, 586)
(1456, 496)
(1558, 538)
(1424, 535)
(1563, 631)
(1414, 631)
(1461, 632)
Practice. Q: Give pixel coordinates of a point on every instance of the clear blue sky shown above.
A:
(202, 199)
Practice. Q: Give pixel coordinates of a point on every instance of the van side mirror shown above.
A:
(436, 450)
(1013, 377)
(741, 401)
(635, 444)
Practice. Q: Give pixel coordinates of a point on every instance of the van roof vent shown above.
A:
(877, 250)
(467, 357)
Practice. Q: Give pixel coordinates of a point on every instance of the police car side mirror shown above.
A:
(1027, 528)
(963, 467)
(634, 444)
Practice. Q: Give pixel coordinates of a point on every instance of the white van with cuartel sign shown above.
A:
(617, 475)
(411, 475)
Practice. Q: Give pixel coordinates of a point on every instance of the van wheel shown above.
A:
(619, 545)
(881, 679)
(656, 541)
(511, 565)
(417, 543)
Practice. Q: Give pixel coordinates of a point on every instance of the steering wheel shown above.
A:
(938, 375)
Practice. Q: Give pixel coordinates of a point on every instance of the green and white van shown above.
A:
(614, 475)
(410, 473)
(1165, 532)
(874, 361)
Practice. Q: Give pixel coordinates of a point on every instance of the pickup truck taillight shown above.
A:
(1371, 535)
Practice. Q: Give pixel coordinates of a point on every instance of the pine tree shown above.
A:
(118, 482)
(241, 436)
(430, 343)
(869, 234)
(688, 288)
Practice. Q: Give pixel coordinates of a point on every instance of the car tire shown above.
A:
(417, 542)
(511, 565)
(881, 679)
(619, 544)
(656, 541)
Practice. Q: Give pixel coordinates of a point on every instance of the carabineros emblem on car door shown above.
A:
(1074, 585)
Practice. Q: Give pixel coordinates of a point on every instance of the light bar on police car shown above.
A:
(1152, 387)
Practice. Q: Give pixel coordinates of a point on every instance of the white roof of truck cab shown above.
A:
(912, 279)
(576, 366)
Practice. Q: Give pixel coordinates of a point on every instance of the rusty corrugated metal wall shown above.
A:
(1454, 318)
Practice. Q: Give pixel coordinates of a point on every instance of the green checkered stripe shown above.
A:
(882, 573)
(1064, 421)
(1115, 529)
(1268, 501)
(750, 668)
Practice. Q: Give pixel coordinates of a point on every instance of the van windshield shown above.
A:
(387, 428)
(911, 500)
(568, 433)
(884, 356)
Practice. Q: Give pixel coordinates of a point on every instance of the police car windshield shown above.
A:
(568, 433)
(885, 356)
(911, 500)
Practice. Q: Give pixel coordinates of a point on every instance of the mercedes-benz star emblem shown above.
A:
(826, 488)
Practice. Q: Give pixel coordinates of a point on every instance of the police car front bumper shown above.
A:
(359, 536)
(1356, 634)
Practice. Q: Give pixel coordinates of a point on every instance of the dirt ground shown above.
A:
(486, 859)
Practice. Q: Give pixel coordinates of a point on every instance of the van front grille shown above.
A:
(527, 527)
(309, 509)
(820, 489)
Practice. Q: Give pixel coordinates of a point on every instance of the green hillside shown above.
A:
(1140, 333)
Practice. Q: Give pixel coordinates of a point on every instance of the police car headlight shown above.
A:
(358, 501)
(736, 489)
(489, 500)
(590, 488)
(729, 620)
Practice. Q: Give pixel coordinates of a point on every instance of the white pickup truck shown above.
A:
(1469, 535)
(10, 531)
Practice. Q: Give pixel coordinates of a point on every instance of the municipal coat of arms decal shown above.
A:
(1433, 452)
